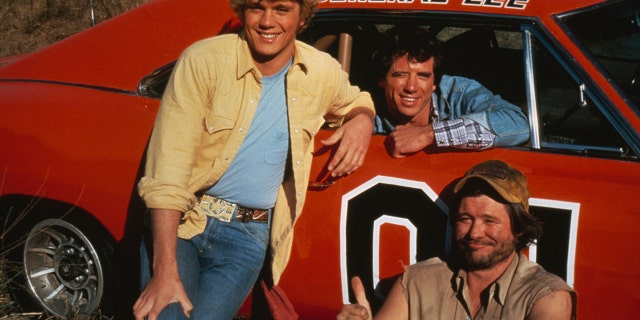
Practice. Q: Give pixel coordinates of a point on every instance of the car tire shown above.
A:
(61, 263)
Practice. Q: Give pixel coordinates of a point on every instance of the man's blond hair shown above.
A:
(307, 8)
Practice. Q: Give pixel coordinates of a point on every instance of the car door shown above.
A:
(581, 162)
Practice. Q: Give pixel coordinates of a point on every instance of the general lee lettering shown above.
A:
(507, 4)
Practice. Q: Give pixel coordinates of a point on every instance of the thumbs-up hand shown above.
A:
(361, 310)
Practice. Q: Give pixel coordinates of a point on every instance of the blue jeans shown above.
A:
(218, 268)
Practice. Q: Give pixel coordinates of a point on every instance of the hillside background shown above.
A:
(28, 25)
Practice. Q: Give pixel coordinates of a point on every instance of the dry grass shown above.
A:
(28, 25)
(7, 306)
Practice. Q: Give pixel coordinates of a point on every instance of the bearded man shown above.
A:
(488, 276)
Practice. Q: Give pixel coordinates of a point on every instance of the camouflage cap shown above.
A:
(510, 183)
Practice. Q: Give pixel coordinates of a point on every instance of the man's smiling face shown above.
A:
(483, 232)
(271, 28)
(408, 88)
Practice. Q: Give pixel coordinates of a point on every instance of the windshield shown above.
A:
(612, 35)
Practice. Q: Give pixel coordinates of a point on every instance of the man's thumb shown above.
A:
(186, 308)
(358, 291)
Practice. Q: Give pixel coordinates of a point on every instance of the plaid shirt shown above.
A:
(460, 133)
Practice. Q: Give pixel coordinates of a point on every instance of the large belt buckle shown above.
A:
(217, 208)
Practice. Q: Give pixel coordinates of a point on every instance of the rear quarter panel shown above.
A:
(77, 145)
(599, 195)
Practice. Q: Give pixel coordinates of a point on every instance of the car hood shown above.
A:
(120, 51)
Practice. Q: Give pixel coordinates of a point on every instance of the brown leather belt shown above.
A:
(224, 210)
(252, 215)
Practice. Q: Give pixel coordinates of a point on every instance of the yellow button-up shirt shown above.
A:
(205, 113)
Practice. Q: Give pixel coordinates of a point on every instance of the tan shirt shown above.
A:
(205, 113)
(435, 291)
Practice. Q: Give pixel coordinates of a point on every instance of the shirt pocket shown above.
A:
(215, 124)
(214, 137)
(222, 113)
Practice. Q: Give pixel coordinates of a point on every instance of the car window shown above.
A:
(568, 118)
(612, 35)
(490, 54)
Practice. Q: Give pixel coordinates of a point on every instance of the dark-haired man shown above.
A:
(488, 276)
(426, 107)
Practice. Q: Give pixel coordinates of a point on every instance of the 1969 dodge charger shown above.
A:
(75, 119)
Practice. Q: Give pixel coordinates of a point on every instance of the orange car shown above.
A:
(76, 117)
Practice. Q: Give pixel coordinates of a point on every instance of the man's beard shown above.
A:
(501, 251)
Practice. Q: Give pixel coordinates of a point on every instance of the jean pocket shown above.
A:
(258, 231)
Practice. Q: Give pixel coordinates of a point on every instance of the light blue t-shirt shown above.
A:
(253, 178)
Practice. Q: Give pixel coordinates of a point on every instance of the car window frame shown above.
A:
(594, 93)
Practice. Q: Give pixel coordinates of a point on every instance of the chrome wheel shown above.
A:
(63, 269)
